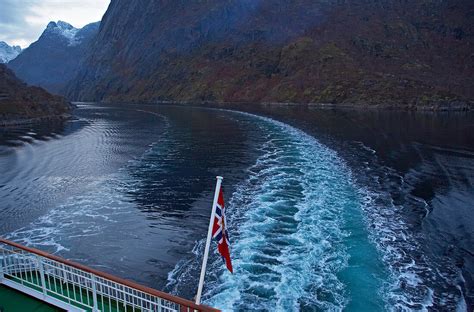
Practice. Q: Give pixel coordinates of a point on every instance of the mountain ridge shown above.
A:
(7, 52)
(53, 60)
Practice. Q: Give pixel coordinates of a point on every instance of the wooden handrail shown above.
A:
(148, 290)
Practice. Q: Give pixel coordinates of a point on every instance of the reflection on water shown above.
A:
(19, 135)
(79, 195)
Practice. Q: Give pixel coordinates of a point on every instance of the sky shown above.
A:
(23, 21)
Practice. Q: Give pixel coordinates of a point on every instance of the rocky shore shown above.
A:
(434, 106)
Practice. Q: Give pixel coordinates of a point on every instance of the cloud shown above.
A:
(23, 21)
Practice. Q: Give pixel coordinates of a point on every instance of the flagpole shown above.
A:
(208, 241)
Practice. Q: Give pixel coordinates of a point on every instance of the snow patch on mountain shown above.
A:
(65, 30)
(8, 53)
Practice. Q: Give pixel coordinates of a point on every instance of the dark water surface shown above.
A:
(365, 211)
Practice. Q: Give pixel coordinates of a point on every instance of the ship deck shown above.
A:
(54, 287)
(13, 300)
(32, 280)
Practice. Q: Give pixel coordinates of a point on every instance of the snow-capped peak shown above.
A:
(64, 25)
(8, 53)
(65, 30)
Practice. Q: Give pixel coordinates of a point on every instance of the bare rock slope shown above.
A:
(414, 54)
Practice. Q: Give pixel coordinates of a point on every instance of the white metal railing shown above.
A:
(79, 286)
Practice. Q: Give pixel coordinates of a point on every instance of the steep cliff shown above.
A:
(400, 53)
(20, 102)
(54, 59)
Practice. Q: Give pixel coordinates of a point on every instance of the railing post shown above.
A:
(43, 280)
(94, 293)
(1, 266)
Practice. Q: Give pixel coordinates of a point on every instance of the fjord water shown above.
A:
(325, 212)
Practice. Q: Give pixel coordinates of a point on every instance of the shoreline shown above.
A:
(28, 121)
(443, 107)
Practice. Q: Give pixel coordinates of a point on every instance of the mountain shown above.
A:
(8, 53)
(20, 102)
(53, 60)
(374, 52)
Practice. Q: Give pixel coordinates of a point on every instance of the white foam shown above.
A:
(304, 238)
(83, 215)
(415, 283)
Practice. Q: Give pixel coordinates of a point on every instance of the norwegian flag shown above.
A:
(219, 231)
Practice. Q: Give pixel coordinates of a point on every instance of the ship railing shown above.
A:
(75, 287)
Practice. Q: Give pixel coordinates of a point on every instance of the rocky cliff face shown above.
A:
(20, 102)
(53, 60)
(409, 53)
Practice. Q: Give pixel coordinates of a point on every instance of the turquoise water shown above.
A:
(298, 236)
